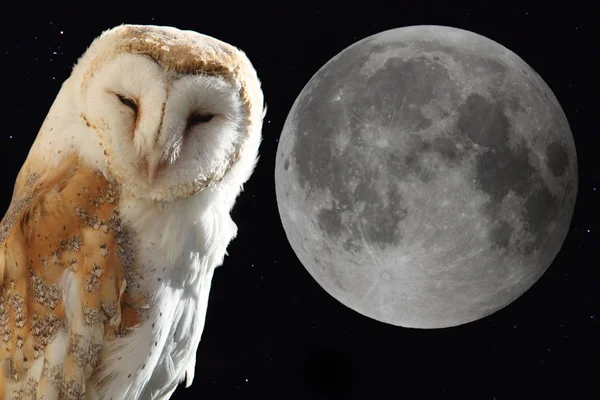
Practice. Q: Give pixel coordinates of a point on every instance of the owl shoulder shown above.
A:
(63, 265)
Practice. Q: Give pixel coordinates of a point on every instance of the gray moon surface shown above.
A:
(426, 177)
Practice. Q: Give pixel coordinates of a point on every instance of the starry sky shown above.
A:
(271, 331)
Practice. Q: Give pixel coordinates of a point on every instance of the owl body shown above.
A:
(120, 215)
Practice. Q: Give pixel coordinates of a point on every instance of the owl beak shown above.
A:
(151, 166)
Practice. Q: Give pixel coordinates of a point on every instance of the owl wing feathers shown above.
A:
(63, 267)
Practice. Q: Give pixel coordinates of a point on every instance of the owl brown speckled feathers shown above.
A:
(63, 229)
(120, 215)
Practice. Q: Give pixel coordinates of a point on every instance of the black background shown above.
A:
(271, 331)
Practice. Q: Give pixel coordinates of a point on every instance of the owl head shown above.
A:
(175, 112)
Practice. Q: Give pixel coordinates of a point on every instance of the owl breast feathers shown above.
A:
(121, 213)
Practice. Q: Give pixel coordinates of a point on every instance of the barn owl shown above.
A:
(121, 213)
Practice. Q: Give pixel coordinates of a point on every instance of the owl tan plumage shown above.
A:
(120, 214)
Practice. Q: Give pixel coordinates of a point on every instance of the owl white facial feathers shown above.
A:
(121, 213)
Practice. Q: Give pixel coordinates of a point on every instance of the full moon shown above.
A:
(426, 177)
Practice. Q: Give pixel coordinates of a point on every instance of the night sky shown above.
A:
(271, 331)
